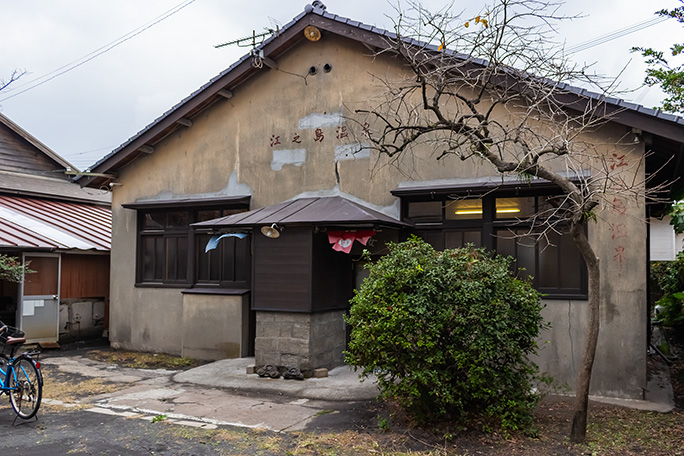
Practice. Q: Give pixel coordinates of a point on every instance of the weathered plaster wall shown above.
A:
(212, 326)
(618, 235)
(145, 319)
(284, 134)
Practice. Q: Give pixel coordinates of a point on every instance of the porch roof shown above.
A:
(40, 224)
(331, 210)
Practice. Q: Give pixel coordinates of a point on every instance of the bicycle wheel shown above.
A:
(4, 368)
(27, 384)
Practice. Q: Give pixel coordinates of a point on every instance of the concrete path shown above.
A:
(221, 393)
(341, 384)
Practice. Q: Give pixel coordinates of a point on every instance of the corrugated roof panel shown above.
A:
(28, 222)
(13, 235)
(90, 223)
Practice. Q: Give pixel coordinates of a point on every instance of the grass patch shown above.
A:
(627, 431)
(70, 390)
(141, 360)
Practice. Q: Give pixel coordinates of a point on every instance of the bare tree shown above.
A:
(493, 87)
(16, 74)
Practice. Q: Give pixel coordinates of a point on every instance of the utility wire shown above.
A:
(614, 35)
(96, 53)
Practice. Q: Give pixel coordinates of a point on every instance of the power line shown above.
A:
(614, 35)
(98, 52)
(92, 150)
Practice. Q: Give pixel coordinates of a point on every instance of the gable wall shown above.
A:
(17, 155)
(231, 149)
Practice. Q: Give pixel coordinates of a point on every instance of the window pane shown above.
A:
(519, 245)
(226, 212)
(466, 209)
(242, 263)
(458, 239)
(203, 216)
(571, 275)
(425, 210)
(148, 243)
(514, 207)
(525, 246)
(179, 219)
(227, 270)
(505, 245)
(549, 262)
(453, 239)
(202, 262)
(472, 237)
(171, 258)
(154, 220)
(158, 258)
(182, 267)
(176, 258)
(553, 205)
(432, 237)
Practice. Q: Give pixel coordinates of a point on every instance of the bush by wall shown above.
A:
(448, 334)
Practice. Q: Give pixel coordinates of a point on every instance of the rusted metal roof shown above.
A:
(31, 223)
(331, 210)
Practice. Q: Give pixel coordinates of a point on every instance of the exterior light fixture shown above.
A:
(272, 231)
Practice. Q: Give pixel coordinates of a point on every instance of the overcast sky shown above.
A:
(87, 112)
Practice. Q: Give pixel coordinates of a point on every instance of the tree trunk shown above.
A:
(578, 432)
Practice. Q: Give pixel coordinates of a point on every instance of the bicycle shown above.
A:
(21, 378)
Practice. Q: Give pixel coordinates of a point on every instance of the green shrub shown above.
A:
(670, 278)
(448, 334)
(11, 269)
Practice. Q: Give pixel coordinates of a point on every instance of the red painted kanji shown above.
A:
(617, 230)
(617, 161)
(366, 129)
(296, 138)
(341, 132)
(619, 250)
(619, 205)
(319, 135)
(275, 140)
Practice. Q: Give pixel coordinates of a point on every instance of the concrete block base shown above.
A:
(302, 340)
(320, 373)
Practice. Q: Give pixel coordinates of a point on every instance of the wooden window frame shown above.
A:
(435, 231)
(192, 249)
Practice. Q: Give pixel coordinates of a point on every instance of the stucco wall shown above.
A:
(282, 134)
(212, 326)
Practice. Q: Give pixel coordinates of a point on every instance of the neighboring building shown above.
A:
(62, 231)
(665, 243)
(260, 138)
